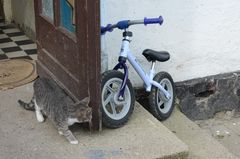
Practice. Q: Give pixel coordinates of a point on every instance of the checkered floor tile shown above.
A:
(15, 44)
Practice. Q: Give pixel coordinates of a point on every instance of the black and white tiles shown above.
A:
(15, 44)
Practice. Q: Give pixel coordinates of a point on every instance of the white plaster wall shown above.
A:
(23, 14)
(104, 54)
(202, 36)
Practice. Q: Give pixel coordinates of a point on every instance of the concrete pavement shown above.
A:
(22, 137)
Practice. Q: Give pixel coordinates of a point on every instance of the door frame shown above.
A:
(93, 47)
(1, 9)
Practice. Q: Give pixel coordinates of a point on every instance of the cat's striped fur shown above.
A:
(50, 100)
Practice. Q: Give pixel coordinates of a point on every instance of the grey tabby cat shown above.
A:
(50, 100)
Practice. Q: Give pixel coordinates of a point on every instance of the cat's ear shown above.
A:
(85, 101)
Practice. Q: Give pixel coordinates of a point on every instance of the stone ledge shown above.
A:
(203, 97)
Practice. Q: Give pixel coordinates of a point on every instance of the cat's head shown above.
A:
(83, 111)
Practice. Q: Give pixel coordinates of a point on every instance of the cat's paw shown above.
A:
(39, 116)
(40, 119)
(60, 132)
(75, 142)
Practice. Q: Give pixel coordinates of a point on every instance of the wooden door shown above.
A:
(1, 9)
(68, 40)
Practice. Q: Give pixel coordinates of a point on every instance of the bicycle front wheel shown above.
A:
(116, 113)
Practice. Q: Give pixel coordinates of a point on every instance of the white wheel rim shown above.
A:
(116, 112)
(164, 107)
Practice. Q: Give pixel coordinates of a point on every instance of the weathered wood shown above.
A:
(94, 59)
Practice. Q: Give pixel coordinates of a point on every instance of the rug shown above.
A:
(16, 72)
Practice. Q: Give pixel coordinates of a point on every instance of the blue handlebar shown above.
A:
(153, 20)
(124, 24)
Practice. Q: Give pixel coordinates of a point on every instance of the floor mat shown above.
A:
(16, 72)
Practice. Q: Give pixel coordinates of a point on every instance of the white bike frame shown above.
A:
(147, 78)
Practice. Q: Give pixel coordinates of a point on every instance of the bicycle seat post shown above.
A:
(152, 71)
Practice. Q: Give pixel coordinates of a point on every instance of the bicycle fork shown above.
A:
(122, 65)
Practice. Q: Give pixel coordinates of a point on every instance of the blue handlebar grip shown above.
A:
(153, 20)
(105, 29)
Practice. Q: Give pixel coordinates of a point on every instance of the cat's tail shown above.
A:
(27, 106)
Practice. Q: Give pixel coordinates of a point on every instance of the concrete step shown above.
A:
(201, 144)
(150, 138)
(143, 137)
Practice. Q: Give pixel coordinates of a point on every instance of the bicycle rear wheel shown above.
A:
(160, 107)
(115, 113)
